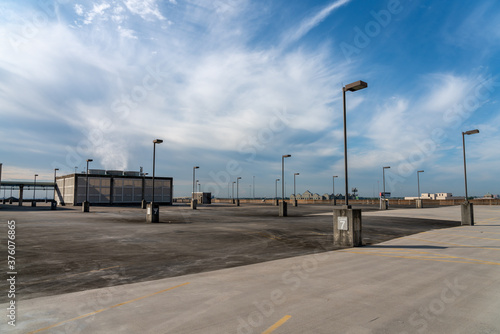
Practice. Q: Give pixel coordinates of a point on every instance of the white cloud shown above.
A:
(126, 33)
(96, 11)
(147, 9)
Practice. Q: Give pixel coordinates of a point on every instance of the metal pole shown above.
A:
(154, 156)
(383, 176)
(238, 188)
(232, 193)
(418, 183)
(294, 186)
(282, 178)
(253, 188)
(465, 169)
(55, 185)
(345, 150)
(34, 187)
(87, 183)
(192, 195)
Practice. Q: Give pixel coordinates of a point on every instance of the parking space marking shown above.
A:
(277, 324)
(430, 257)
(107, 308)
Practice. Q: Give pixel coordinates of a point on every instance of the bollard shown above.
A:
(347, 231)
(153, 213)
(85, 206)
(467, 211)
(194, 203)
(283, 209)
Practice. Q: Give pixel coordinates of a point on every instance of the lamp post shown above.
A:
(419, 200)
(199, 187)
(253, 188)
(237, 190)
(276, 192)
(194, 188)
(55, 175)
(467, 208)
(384, 205)
(86, 204)
(153, 211)
(418, 182)
(334, 199)
(283, 209)
(194, 201)
(232, 194)
(34, 188)
(294, 190)
(76, 167)
(352, 87)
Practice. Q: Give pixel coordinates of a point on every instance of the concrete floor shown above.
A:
(439, 281)
(66, 250)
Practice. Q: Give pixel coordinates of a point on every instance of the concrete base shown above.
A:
(419, 204)
(33, 203)
(347, 228)
(234, 201)
(53, 205)
(194, 203)
(152, 213)
(10, 201)
(384, 204)
(85, 206)
(144, 204)
(4, 201)
(295, 202)
(276, 202)
(283, 209)
(237, 202)
(467, 210)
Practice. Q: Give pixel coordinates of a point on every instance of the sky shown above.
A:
(232, 85)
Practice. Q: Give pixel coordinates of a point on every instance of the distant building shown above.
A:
(490, 196)
(438, 196)
(307, 195)
(112, 187)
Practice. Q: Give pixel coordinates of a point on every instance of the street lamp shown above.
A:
(470, 132)
(76, 167)
(276, 191)
(232, 194)
(283, 175)
(156, 141)
(34, 188)
(194, 188)
(418, 181)
(294, 190)
(383, 206)
(237, 191)
(352, 87)
(334, 199)
(87, 181)
(55, 171)
(253, 188)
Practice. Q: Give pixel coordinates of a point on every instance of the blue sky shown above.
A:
(232, 85)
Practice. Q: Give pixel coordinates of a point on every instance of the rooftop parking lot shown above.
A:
(66, 250)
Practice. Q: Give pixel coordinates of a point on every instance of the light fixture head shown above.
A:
(287, 156)
(158, 141)
(420, 171)
(196, 167)
(352, 87)
(387, 167)
(471, 132)
(90, 160)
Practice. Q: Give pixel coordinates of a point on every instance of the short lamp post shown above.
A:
(467, 208)
(294, 190)
(234, 202)
(53, 203)
(347, 221)
(86, 203)
(152, 209)
(237, 190)
(282, 208)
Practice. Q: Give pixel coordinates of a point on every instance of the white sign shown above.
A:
(149, 211)
(342, 224)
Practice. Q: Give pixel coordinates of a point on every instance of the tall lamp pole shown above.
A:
(237, 190)
(34, 188)
(334, 199)
(294, 190)
(194, 188)
(156, 141)
(352, 87)
(470, 132)
(55, 171)
(253, 188)
(232, 196)
(383, 177)
(283, 175)
(276, 190)
(87, 181)
(418, 182)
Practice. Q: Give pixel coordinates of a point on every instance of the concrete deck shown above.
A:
(440, 281)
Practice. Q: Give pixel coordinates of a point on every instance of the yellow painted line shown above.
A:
(276, 325)
(72, 275)
(437, 259)
(106, 308)
(453, 244)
